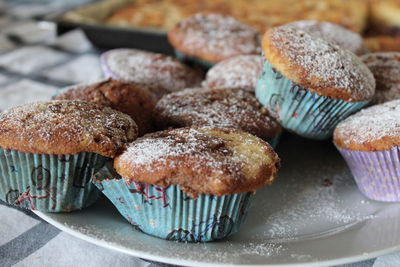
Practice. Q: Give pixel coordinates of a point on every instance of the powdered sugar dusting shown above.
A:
(218, 35)
(314, 203)
(371, 124)
(326, 64)
(240, 72)
(161, 73)
(220, 107)
(310, 199)
(65, 123)
(386, 69)
(203, 252)
(168, 149)
(315, 176)
(264, 249)
(334, 33)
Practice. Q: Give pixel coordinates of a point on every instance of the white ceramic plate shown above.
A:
(312, 215)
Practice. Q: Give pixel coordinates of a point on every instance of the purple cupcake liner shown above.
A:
(376, 173)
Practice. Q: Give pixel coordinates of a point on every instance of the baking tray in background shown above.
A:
(90, 19)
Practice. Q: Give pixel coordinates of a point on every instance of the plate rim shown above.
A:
(183, 262)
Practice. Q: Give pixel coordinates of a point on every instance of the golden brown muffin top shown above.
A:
(200, 160)
(334, 33)
(214, 37)
(318, 65)
(63, 127)
(240, 72)
(375, 128)
(386, 70)
(234, 108)
(162, 74)
(135, 100)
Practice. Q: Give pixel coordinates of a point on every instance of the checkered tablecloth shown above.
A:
(34, 64)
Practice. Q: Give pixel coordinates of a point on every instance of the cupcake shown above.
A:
(240, 72)
(50, 150)
(310, 84)
(232, 108)
(369, 142)
(206, 39)
(189, 184)
(135, 100)
(386, 70)
(162, 74)
(334, 33)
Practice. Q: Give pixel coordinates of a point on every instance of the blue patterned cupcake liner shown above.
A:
(297, 109)
(49, 183)
(190, 60)
(168, 213)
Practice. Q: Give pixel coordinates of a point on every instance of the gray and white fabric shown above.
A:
(34, 64)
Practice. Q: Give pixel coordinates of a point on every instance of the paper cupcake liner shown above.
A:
(49, 183)
(169, 213)
(297, 109)
(377, 173)
(205, 65)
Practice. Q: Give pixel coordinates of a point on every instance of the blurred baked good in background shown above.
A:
(261, 14)
(378, 21)
(383, 32)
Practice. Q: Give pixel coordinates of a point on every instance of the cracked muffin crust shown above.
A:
(63, 127)
(132, 99)
(233, 108)
(201, 160)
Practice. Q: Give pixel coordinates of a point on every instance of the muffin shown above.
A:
(135, 100)
(206, 39)
(386, 70)
(369, 142)
(334, 33)
(232, 108)
(240, 72)
(189, 184)
(310, 84)
(162, 74)
(50, 150)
